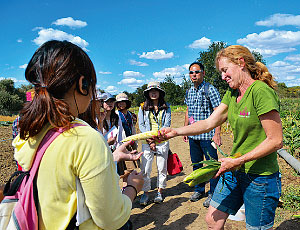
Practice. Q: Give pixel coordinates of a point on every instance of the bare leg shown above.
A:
(215, 219)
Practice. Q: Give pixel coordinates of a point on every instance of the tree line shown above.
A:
(12, 99)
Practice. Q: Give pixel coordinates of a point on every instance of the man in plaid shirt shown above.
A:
(201, 99)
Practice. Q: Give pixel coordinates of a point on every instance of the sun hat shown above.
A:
(105, 96)
(123, 97)
(153, 85)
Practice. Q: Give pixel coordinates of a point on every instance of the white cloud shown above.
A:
(280, 20)
(285, 72)
(50, 34)
(177, 72)
(23, 66)
(137, 63)
(111, 89)
(130, 74)
(293, 58)
(19, 40)
(202, 43)
(157, 54)
(69, 21)
(131, 82)
(271, 42)
(104, 73)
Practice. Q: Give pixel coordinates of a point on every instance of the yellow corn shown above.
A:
(141, 136)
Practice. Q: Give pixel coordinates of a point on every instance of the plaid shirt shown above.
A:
(200, 108)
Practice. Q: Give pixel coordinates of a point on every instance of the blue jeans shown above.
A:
(260, 194)
(199, 149)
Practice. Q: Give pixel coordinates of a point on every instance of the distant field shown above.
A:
(7, 118)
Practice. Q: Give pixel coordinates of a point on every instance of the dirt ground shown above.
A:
(176, 212)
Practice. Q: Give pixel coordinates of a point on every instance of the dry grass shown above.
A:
(7, 118)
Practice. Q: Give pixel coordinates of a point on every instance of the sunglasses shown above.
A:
(196, 72)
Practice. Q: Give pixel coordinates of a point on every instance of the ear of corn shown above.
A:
(201, 175)
(205, 173)
(141, 136)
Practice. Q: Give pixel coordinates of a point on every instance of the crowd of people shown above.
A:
(64, 81)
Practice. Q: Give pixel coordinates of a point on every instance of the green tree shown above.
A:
(174, 93)
(138, 95)
(207, 58)
(11, 99)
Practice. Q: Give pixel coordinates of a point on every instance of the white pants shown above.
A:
(161, 164)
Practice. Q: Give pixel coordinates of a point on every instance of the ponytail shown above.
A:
(262, 73)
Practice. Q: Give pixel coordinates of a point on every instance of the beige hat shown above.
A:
(123, 97)
(153, 85)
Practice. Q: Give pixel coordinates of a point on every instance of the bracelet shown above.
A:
(129, 185)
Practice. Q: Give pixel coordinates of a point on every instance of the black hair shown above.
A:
(197, 63)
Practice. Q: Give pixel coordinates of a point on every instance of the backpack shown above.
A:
(18, 209)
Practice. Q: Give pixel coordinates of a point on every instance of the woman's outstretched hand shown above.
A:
(122, 154)
(165, 134)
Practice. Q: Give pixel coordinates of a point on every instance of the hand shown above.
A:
(101, 116)
(151, 143)
(122, 154)
(185, 138)
(136, 179)
(166, 133)
(153, 146)
(111, 140)
(217, 139)
(228, 164)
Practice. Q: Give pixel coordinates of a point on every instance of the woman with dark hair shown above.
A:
(252, 108)
(154, 114)
(64, 80)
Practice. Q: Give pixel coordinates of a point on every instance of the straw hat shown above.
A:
(123, 97)
(154, 85)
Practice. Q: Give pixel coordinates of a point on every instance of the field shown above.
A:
(176, 212)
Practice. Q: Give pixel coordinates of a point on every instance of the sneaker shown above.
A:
(144, 199)
(158, 198)
(196, 196)
(207, 201)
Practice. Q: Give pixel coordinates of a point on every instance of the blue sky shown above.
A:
(132, 42)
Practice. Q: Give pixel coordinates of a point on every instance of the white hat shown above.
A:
(105, 96)
(153, 85)
(123, 97)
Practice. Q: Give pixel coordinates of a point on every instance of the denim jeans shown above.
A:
(259, 193)
(199, 149)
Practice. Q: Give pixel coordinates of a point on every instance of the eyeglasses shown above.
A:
(196, 72)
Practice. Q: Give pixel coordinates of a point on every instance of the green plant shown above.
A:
(291, 133)
(291, 198)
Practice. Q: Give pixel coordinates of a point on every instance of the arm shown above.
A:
(271, 124)
(186, 123)
(142, 125)
(215, 119)
(218, 117)
(109, 208)
(217, 137)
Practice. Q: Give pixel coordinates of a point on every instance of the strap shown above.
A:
(47, 140)
(206, 90)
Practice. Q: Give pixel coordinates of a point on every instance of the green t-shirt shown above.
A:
(248, 132)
